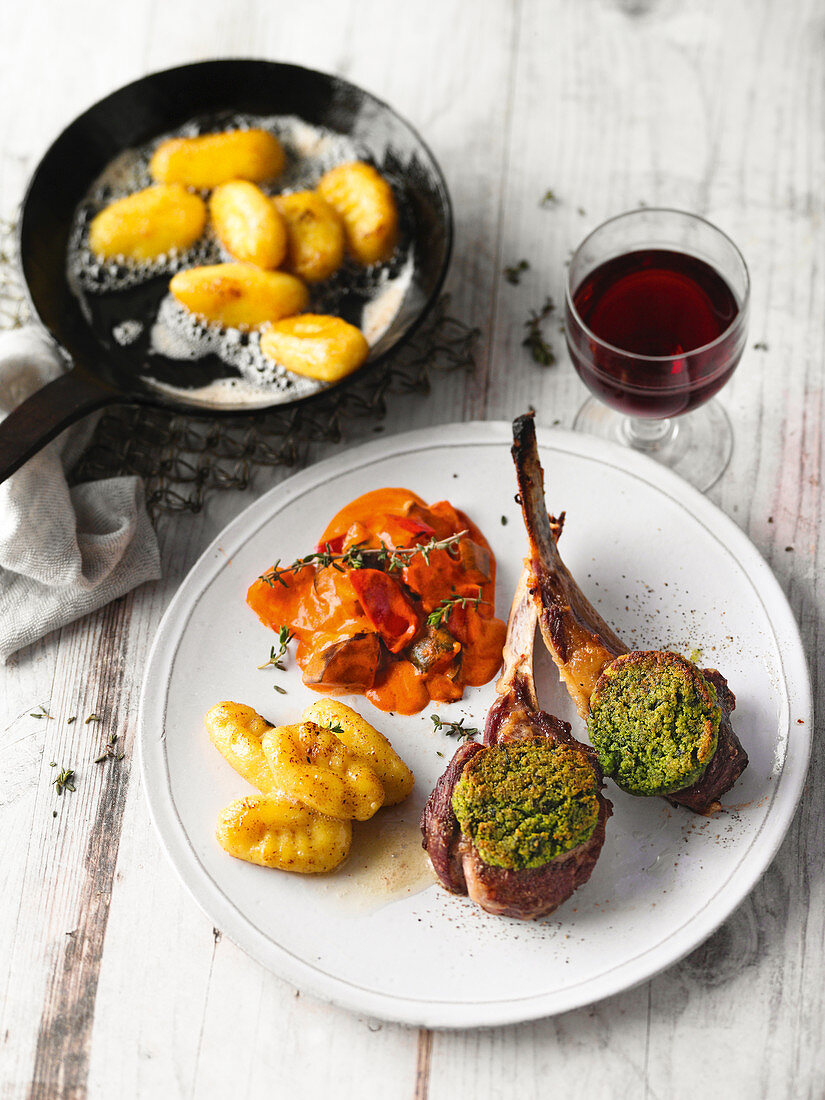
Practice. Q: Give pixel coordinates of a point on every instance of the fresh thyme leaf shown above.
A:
(92, 718)
(760, 345)
(334, 727)
(541, 351)
(363, 557)
(284, 638)
(110, 753)
(437, 753)
(549, 198)
(64, 781)
(453, 729)
(72, 719)
(513, 273)
(445, 608)
(40, 712)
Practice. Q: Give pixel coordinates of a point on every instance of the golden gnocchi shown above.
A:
(247, 224)
(366, 204)
(315, 235)
(311, 765)
(238, 294)
(367, 743)
(148, 224)
(279, 833)
(316, 346)
(208, 160)
(236, 731)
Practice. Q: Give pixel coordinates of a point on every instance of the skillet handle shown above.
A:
(46, 413)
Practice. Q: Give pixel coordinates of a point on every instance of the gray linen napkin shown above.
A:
(63, 552)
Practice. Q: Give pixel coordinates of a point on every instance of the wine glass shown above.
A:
(656, 321)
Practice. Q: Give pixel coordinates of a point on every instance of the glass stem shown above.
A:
(646, 435)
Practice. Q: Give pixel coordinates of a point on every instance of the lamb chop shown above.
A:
(649, 690)
(523, 858)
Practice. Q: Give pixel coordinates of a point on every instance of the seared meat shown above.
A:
(582, 645)
(523, 892)
(727, 763)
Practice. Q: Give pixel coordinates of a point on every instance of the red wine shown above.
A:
(655, 303)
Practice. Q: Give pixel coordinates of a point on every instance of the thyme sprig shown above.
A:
(441, 613)
(284, 638)
(64, 781)
(40, 712)
(541, 351)
(454, 729)
(360, 556)
(333, 727)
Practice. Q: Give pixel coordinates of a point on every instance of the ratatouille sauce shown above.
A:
(366, 630)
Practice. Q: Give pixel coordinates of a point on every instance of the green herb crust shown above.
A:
(525, 802)
(654, 721)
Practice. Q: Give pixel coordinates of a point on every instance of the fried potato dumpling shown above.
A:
(148, 224)
(239, 295)
(211, 159)
(316, 345)
(312, 766)
(367, 743)
(315, 235)
(236, 731)
(366, 204)
(279, 833)
(247, 224)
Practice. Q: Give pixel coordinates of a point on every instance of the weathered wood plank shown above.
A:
(714, 107)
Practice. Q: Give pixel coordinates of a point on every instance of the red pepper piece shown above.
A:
(386, 607)
(414, 526)
(333, 546)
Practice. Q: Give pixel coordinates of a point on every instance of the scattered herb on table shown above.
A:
(64, 781)
(40, 712)
(541, 351)
(362, 557)
(549, 198)
(760, 345)
(513, 273)
(72, 719)
(92, 718)
(110, 753)
(453, 729)
(446, 607)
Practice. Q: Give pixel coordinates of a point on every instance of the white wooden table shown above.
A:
(112, 981)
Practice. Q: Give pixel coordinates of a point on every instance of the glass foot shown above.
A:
(696, 446)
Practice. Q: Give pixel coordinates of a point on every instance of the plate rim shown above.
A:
(795, 678)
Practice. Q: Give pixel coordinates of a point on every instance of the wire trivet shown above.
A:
(182, 459)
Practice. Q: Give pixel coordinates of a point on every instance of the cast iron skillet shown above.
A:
(105, 373)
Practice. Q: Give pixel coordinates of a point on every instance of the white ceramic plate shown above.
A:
(661, 563)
